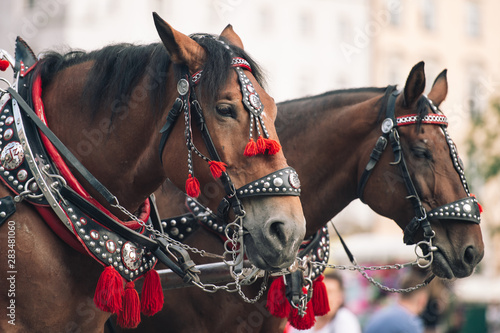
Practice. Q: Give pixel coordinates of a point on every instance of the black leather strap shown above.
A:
(172, 117)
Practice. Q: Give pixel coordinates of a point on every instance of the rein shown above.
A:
(466, 209)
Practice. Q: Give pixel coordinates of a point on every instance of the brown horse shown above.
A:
(329, 139)
(109, 107)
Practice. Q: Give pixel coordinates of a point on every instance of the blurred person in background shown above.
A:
(404, 315)
(340, 319)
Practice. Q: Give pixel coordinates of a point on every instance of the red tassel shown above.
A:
(320, 297)
(480, 207)
(109, 291)
(192, 187)
(273, 147)
(251, 148)
(130, 315)
(302, 323)
(306, 322)
(152, 294)
(217, 168)
(4, 64)
(261, 145)
(277, 303)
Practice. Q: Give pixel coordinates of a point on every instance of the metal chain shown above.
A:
(157, 233)
(234, 240)
(362, 270)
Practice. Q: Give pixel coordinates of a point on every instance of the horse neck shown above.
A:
(322, 144)
(122, 154)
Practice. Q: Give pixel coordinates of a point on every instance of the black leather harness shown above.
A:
(466, 209)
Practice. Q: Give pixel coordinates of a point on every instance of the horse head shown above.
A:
(232, 139)
(423, 180)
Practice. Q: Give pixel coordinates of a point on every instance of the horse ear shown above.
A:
(182, 49)
(231, 36)
(415, 85)
(439, 89)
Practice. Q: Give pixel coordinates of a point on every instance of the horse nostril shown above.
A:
(277, 230)
(470, 255)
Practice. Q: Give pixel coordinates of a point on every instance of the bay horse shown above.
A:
(329, 139)
(108, 108)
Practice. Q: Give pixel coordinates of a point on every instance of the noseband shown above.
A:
(466, 209)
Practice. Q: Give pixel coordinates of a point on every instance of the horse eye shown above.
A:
(421, 153)
(224, 110)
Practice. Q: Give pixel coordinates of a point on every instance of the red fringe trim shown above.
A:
(152, 298)
(217, 168)
(277, 303)
(130, 315)
(251, 148)
(192, 187)
(320, 297)
(273, 147)
(109, 291)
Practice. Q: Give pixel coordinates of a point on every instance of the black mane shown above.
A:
(117, 69)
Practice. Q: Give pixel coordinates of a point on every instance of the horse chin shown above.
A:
(269, 260)
(442, 267)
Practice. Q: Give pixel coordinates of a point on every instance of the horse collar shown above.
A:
(27, 169)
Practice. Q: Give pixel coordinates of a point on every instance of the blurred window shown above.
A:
(429, 14)
(473, 19)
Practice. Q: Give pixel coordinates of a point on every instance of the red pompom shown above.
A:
(152, 294)
(217, 168)
(261, 145)
(302, 323)
(109, 291)
(4, 64)
(277, 303)
(192, 187)
(130, 315)
(273, 147)
(251, 148)
(320, 297)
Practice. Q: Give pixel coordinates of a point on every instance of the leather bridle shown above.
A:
(465, 209)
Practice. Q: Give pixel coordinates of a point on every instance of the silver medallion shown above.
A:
(387, 125)
(12, 155)
(110, 246)
(22, 175)
(94, 234)
(293, 178)
(182, 87)
(131, 256)
(255, 101)
(8, 134)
